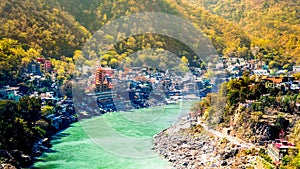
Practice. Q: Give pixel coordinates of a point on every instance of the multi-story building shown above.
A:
(278, 149)
(34, 68)
(103, 79)
(45, 65)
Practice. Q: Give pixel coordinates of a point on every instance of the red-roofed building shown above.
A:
(103, 79)
(45, 64)
(278, 149)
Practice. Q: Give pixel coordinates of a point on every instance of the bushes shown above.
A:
(18, 129)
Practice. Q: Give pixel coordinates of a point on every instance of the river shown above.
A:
(119, 140)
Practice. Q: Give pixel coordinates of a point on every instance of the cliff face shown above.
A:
(257, 127)
(197, 147)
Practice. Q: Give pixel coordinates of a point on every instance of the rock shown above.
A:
(46, 142)
(223, 163)
(23, 159)
(56, 122)
(26, 160)
(7, 166)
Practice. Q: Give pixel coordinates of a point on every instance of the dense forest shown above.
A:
(272, 25)
(264, 30)
(41, 25)
(57, 28)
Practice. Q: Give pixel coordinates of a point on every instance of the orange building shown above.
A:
(278, 79)
(103, 79)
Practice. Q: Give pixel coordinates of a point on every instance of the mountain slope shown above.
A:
(42, 25)
(59, 27)
(272, 25)
(95, 13)
(228, 40)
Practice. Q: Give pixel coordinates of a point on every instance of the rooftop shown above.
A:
(283, 144)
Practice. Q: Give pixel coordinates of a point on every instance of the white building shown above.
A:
(296, 69)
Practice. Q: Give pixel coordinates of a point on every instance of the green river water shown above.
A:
(120, 140)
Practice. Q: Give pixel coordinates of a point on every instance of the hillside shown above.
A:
(59, 27)
(95, 13)
(41, 25)
(272, 25)
(225, 36)
(248, 110)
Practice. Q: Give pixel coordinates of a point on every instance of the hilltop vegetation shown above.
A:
(56, 28)
(225, 36)
(41, 25)
(93, 14)
(59, 27)
(273, 26)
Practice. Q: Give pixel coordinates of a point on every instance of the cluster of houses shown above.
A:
(229, 68)
(133, 88)
(138, 82)
(45, 89)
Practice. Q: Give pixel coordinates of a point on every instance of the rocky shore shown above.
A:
(192, 147)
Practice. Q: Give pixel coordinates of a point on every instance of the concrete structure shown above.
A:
(296, 69)
(261, 72)
(278, 149)
(34, 68)
(10, 93)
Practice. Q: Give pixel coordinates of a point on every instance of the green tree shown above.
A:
(47, 110)
(7, 118)
(29, 109)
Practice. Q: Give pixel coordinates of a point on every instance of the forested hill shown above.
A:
(41, 24)
(59, 27)
(273, 25)
(225, 36)
(95, 13)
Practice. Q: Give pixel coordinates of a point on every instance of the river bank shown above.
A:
(19, 159)
(186, 146)
(71, 147)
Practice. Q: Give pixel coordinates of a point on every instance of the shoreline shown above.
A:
(186, 146)
(18, 159)
(44, 144)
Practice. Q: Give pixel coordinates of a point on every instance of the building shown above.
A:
(103, 80)
(278, 149)
(34, 68)
(46, 65)
(261, 72)
(10, 93)
(296, 69)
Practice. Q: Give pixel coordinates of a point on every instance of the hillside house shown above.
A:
(278, 149)
(296, 69)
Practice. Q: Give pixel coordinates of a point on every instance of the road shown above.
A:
(233, 140)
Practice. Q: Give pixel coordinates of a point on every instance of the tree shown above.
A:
(79, 58)
(29, 109)
(7, 119)
(47, 110)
